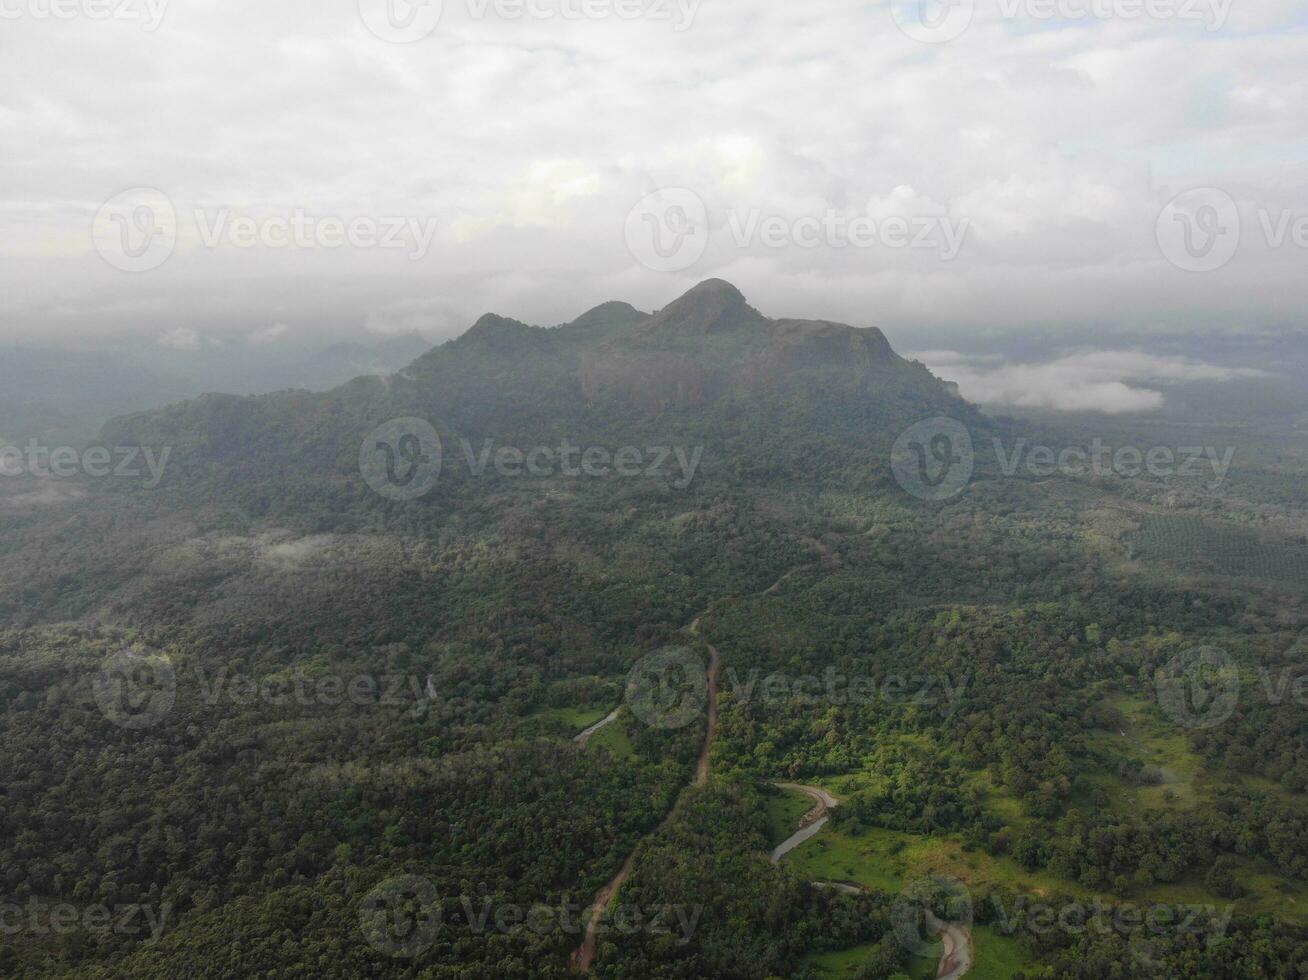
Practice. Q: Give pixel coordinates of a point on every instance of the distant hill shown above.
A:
(706, 370)
(65, 396)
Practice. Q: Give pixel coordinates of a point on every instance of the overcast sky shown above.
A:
(1015, 175)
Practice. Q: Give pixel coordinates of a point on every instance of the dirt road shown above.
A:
(811, 823)
(584, 957)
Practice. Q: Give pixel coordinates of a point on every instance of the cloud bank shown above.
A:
(1111, 381)
(529, 138)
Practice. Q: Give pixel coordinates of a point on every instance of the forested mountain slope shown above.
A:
(372, 621)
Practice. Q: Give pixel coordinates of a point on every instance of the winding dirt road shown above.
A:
(584, 957)
(810, 823)
(702, 767)
(957, 957)
(608, 719)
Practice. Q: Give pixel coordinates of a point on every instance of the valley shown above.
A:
(979, 680)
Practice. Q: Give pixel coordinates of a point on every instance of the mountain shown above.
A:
(711, 344)
(708, 370)
(297, 360)
(270, 700)
(348, 359)
(65, 396)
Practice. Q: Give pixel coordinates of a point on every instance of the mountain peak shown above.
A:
(495, 333)
(714, 289)
(604, 321)
(713, 307)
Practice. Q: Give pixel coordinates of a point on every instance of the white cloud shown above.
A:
(1111, 381)
(268, 335)
(181, 338)
(529, 141)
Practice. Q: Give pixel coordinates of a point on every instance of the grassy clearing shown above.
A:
(998, 957)
(845, 963)
(576, 718)
(999, 801)
(1144, 737)
(1267, 893)
(1271, 894)
(784, 812)
(1147, 738)
(886, 860)
(614, 737)
(841, 962)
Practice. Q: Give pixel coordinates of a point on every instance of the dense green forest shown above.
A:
(357, 691)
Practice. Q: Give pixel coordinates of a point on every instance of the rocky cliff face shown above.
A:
(711, 342)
